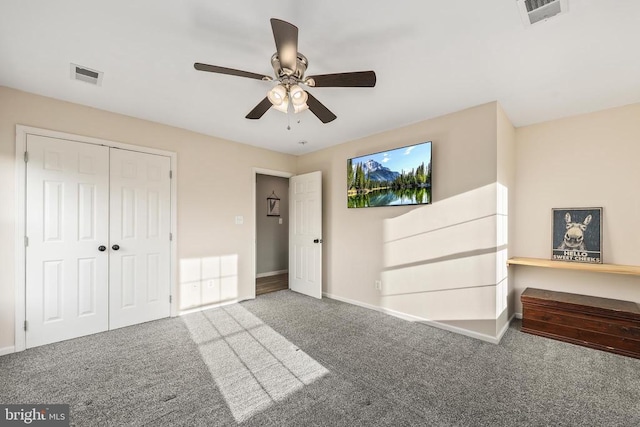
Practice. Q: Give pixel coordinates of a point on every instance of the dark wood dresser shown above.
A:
(600, 323)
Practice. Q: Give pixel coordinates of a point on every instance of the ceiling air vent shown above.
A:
(78, 72)
(533, 11)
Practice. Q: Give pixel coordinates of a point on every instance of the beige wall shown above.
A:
(356, 252)
(584, 161)
(215, 183)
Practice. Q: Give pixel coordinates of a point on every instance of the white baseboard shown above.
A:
(7, 350)
(505, 328)
(518, 315)
(271, 273)
(412, 318)
(354, 302)
(207, 307)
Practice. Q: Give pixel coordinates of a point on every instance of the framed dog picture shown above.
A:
(577, 235)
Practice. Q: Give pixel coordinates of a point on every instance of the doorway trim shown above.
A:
(260, 171)
(20, 217)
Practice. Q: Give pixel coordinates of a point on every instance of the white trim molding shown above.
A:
(271, 273)
(411, 318)
(7, 350)
(262, 171)
(19, 239)
(208, 307)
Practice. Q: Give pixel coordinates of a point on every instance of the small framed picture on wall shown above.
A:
(577, 235)
(273, 205)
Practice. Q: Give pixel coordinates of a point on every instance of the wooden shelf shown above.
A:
(598, 268)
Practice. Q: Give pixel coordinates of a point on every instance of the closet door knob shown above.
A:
(102, 248)
(115, 247)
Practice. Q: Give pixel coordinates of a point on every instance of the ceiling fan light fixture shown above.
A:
(300, 108)
(298, 95)
(283, 106)
(277, 95)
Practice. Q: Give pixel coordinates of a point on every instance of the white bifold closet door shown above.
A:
(67, 221)
(139, 238)
(79, 205)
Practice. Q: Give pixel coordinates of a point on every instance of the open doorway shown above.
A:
(272, 233)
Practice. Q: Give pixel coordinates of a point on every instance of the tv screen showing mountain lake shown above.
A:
(401, 176)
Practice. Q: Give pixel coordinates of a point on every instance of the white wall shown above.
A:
(589, 160)
(215, 183)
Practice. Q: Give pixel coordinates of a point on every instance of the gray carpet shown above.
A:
(286, 359)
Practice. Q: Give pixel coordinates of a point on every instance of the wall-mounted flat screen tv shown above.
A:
(401, 176)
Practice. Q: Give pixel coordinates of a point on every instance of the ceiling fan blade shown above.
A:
(260, 109)
(353, 79)
(229, 71)
(286, 37)
(320, 110)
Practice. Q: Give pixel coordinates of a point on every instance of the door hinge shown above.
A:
(170, 237)
(170, 299)
(26, 157)
(170, 174)
(26, 241)
(25, 325)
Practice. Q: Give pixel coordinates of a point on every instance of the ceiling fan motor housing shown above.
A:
(287, 76)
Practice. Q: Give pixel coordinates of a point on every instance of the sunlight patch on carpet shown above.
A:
(252, 365)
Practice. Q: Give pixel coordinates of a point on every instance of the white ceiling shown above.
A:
(431, 58)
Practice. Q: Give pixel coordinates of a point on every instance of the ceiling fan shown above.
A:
(289, 66)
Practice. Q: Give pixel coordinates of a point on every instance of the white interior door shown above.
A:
(305, 234)
(67, 187)
(139, 238)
